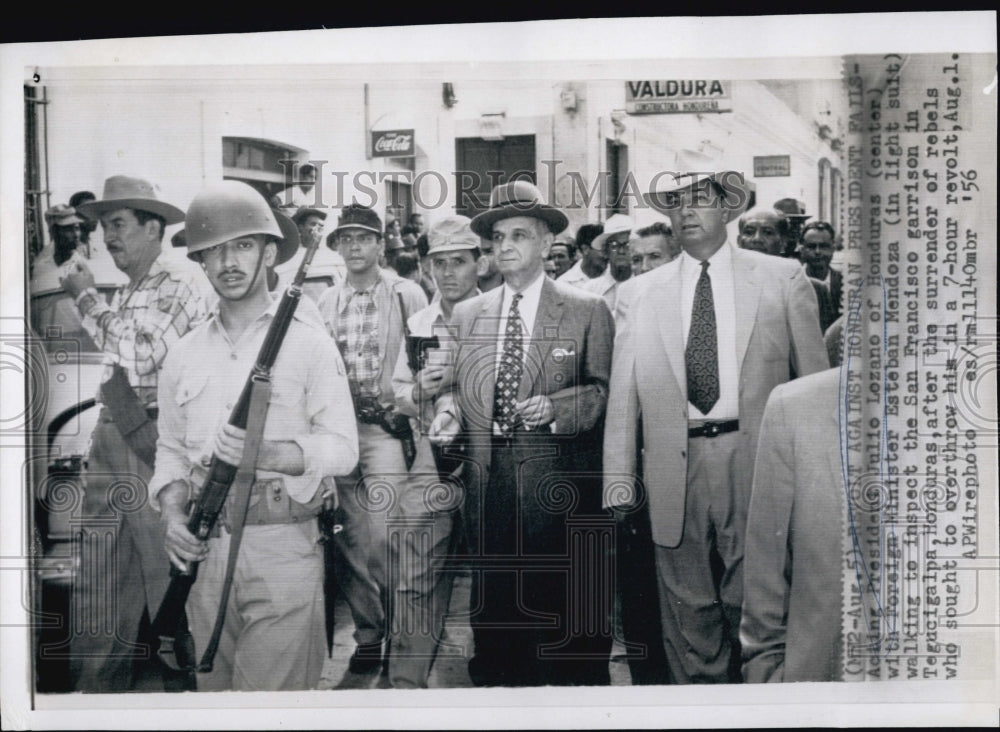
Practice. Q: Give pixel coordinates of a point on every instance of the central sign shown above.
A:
(393, 144)
(678, 96)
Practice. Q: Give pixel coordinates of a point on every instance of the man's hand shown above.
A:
(229, 444)
(77, 279)
(182, 546)
(429, 381)
(536, 411)
(444, 429)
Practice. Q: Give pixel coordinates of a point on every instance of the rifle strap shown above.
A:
(260, 396)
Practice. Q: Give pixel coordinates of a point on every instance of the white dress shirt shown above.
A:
(606, 286)
(720, 270)
(574, 275)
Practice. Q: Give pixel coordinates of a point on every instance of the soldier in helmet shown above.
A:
(273, 635)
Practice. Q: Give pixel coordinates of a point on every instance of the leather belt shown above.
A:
(713, 429)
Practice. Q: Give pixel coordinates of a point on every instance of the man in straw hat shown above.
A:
(365, 314)
(613, 242)
(145, 319)
(273, 635)
(531, 365)
(431, 493)
(703, 341)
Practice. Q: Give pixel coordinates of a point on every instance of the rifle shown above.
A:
(170, 624)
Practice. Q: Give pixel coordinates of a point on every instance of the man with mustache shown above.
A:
(273, 632)
(614, 243)
(816, 245)
(161, 302)
(365, 316)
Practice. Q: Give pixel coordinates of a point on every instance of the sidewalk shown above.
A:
(450, 666)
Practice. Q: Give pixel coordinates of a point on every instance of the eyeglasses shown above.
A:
(361, 238)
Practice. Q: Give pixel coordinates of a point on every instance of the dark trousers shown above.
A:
(124, 569)
(542, 585)
(640, 601)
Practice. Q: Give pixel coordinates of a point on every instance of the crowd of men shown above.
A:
(567, 418)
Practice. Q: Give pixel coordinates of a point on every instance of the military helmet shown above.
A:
(230, 209)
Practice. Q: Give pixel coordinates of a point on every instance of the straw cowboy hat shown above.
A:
(691, 168)
(121, 191)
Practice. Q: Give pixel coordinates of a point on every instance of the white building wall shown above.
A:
(170, 131)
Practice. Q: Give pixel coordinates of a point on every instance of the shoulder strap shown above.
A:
(260, 396)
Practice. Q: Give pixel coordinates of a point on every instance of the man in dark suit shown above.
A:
(528, 395)
(701, 343)
(765, 230)
(816, 244)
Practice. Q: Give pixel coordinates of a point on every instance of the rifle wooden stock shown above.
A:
(170, 623)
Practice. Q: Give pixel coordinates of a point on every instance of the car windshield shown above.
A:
(316, 286)
(56, 319)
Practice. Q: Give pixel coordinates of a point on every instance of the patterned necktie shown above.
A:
(509, 374)
(701, 357)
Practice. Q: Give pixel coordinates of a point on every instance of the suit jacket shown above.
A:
(792, 596)
(777, 329)
(568, 360)
(390, 323)
(827, 313)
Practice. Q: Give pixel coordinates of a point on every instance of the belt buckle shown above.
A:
(712, 429)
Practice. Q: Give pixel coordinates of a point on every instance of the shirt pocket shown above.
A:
(190, 387)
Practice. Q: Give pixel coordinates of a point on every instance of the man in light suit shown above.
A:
(701, 343)
(528, 395)
(792, 600)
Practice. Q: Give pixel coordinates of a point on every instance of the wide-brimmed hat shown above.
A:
(451, 234)
(790, 206)
(122, 191)
(359, 217)
(62, 215)
(616, 224)
(517, 198)
(305, 212)
(230, 209)
(692, 168)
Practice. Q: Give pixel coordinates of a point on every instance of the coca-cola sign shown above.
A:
(392, 144)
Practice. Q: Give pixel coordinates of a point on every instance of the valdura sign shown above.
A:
(393, 144)
(677, 96)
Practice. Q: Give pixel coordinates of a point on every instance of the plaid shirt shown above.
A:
(143, 321)
(358, 337)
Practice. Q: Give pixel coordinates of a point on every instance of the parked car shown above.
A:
(326, 269)
(65, 415)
